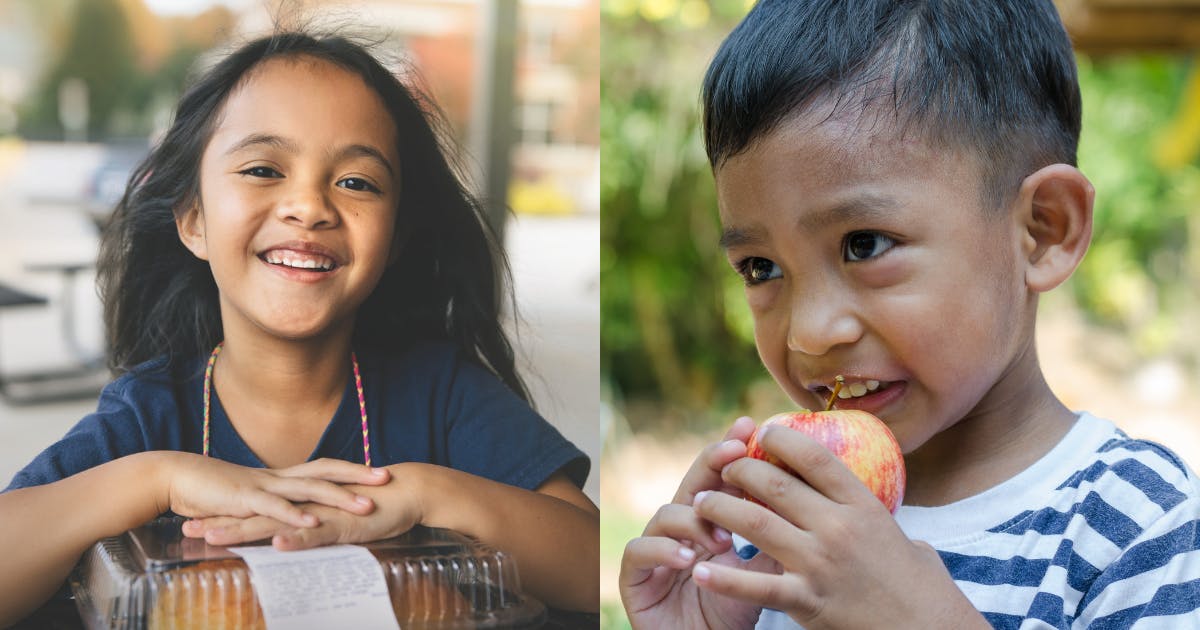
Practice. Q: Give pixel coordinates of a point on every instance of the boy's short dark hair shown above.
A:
(996, 78)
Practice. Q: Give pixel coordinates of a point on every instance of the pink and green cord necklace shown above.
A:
(362, 402)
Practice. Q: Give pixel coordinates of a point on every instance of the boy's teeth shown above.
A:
(854, 390)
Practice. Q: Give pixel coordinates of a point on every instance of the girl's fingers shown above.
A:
(681, 523)
(196, 528)
(338, 471)
(788, 592)
(237, 531)
(280, 509)
(305, 538)
(306, 490)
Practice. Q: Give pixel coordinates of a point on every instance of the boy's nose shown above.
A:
(820, 323)
(308, 208)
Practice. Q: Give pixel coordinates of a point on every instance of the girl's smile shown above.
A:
(302, 261)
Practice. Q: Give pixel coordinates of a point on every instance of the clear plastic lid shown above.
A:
(153, 578)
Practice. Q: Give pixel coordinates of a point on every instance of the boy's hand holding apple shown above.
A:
(843, 560)
(655, 571)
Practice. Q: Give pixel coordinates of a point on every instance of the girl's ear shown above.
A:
(190, 225)
(1055, 212)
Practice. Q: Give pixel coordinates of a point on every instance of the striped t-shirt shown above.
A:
(1101, 532)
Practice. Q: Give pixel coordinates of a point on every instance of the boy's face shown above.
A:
(873, 257)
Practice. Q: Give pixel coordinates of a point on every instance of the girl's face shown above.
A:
(298, 193)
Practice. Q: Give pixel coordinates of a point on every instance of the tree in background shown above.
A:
(99, 53)
(675, 329)
(130, 60)
(667, 330)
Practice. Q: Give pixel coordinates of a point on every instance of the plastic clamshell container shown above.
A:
(153, 578)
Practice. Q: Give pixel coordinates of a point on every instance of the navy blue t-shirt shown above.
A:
(428, 404)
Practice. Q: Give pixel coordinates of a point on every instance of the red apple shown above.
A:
(857, 438)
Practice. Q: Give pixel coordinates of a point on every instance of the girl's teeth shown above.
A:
(844, 393)
(872, 385)
(857, 389)
(298, 263)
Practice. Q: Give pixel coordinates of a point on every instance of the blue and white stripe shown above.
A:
(1102, 532)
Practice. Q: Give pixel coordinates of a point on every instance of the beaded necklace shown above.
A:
(362, 402)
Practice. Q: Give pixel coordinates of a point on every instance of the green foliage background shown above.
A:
(675, 329)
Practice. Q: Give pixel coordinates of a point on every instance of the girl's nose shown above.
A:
(821, 322)
(309, 208)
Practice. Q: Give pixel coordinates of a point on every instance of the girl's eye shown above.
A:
(861, 246)
(359, 184)
(262, 171)
(755, 270)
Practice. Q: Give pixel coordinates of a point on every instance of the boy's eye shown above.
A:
(755, 270)
(864, 245)
(262, 171)
(359, 184)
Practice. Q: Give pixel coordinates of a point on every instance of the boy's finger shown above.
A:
(815, 464)
(768, 531)
(338, 471)
(705, 472)
(681, 522)
(788, 495)
(788, 592)
(741, 429)
(645, 553)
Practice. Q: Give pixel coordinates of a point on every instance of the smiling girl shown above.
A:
(302, 302)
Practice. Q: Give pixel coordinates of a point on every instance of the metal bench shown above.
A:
(82, 379)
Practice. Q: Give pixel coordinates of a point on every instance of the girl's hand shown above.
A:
(845, 563)
(398, 508)
(200, 487)
(656, 571)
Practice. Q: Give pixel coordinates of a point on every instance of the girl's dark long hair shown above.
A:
(449, 281)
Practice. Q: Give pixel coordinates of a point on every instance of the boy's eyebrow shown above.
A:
(288, 146)
(737, 237)
(864, 208)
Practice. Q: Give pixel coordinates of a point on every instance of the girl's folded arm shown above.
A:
(45, 529)
(554, 532)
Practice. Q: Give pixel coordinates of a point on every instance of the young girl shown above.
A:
(295, 285)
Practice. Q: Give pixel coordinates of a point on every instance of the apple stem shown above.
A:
(837, 387)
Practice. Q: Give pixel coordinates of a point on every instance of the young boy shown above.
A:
(896, 187)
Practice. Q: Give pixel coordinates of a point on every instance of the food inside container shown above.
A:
(153, 578)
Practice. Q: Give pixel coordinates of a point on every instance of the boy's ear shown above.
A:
(1055, 212)
(190, 225)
